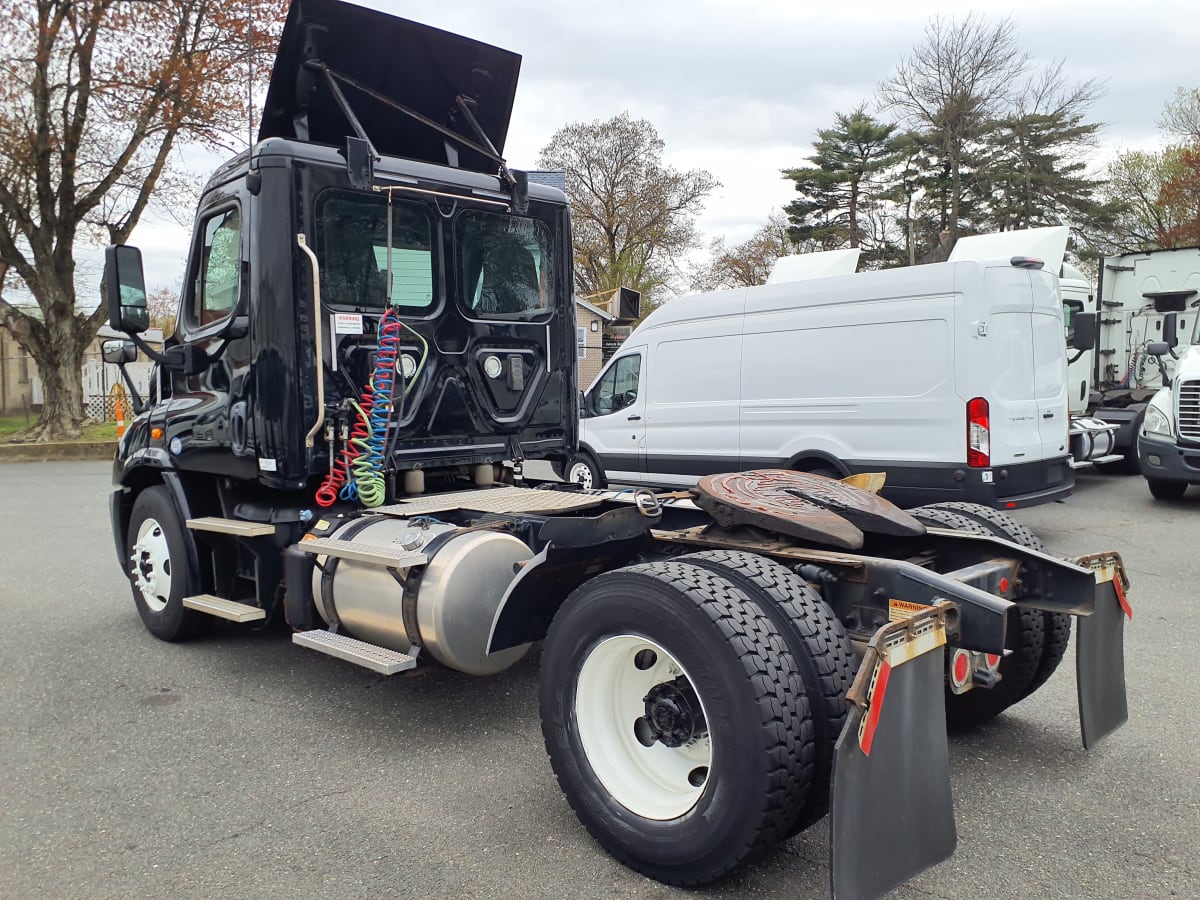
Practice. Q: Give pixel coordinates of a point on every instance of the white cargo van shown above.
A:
(951, 378)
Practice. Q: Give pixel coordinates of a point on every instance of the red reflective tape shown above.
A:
(868, 735)
(1128, 610)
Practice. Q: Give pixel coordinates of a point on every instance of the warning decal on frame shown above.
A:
(347, 323)
(903, 609)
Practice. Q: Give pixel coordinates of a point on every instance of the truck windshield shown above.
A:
(506, 266)
(351, 237)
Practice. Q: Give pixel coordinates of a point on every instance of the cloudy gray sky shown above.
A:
(740, 88)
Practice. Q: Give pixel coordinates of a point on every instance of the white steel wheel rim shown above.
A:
(150, 565)
(656, 781)
(581, 474)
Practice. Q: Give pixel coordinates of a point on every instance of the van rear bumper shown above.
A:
(1011, 487)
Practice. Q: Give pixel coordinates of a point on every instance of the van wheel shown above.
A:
(158, 568)
(824, 469)
(1026, 639)
(675, 720)
(1166, 490)
(586, 472)
(818, 643)
(1057, 626)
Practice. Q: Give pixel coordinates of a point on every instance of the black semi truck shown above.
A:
(376, 333)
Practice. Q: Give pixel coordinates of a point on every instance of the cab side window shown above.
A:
(619, 386)
(214, 283)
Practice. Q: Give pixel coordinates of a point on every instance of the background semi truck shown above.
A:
(376, 331)
(1136, 294)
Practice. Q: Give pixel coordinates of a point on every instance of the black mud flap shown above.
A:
(892, 812)
(1100, 651)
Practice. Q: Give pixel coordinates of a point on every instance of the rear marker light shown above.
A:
(960, 668)
(979, 444)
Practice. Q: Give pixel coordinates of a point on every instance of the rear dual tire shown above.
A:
(692, 639)
(1033, 657)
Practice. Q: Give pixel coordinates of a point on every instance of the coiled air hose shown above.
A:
(367, 466)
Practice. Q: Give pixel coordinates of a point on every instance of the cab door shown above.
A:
(615, 423)
(206, 418)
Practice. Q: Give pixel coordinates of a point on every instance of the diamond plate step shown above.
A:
(372, 554)
(239, 527)
(224, 609)
(369, 656)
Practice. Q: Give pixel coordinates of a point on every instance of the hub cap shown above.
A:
(581, 473)
(150, 565)
(642, 726)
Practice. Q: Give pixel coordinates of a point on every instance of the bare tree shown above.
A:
(94, 97)
(951, 85)
(749, 263)
(633, 216)
(1181, 116)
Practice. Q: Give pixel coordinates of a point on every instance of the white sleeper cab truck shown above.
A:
(1169, 442)
(1136, 295)
(950, 378)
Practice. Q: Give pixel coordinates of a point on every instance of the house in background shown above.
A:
(21, 388)
(590, 324)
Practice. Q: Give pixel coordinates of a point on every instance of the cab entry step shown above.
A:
(239, 527)
(224, 609)
(369, 656)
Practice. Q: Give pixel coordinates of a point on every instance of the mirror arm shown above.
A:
(1074, 359)
(139, 405)
(147, 349)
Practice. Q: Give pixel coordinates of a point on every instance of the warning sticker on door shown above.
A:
(903, 609)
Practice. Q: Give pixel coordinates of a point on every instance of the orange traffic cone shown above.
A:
(120, 413)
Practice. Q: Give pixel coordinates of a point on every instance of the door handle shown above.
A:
(635, 418)
(1047, 415)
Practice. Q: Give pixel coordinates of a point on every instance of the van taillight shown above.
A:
(979, 444)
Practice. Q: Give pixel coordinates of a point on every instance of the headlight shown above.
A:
(1157, 422)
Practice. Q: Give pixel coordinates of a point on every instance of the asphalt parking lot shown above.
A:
(243, 766)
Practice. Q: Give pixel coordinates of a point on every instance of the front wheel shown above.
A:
(675, 720)
(586, 472)
(159, 570)
(1163, 489)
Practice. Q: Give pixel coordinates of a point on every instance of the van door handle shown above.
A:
(635, 418)
(1047, 415)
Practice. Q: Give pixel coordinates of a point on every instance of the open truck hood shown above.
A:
(420, 67)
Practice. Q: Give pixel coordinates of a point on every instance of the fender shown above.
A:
(143, 469)
(796, 462)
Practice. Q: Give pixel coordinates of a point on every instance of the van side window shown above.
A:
(619, 386)
(214, 285)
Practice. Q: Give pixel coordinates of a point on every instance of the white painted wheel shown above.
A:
(580, 473)
(150, 565)
(633, 701)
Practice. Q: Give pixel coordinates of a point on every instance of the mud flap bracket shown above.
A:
(892, 812)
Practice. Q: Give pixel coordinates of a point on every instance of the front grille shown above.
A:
(1187, 410)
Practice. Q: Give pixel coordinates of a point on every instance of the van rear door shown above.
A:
(1009, 378)
(1050, 364)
